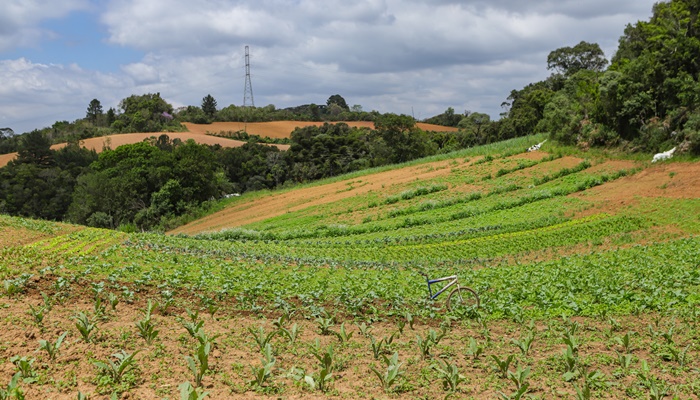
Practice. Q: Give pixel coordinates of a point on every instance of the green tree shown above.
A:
(209, 106)
(35, 148)
(569, 60)
(94, 111)
(338, 100)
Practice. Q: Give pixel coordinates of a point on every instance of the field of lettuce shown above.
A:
(587, 266)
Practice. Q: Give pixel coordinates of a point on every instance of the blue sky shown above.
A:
(403, 56)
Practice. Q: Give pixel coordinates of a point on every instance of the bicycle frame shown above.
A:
(453, 278)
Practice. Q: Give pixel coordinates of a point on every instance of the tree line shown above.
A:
(150, 185)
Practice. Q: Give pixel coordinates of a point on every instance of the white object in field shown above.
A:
(663, 156)
(536, 147)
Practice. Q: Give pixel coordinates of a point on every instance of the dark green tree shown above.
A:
(94, 111)
(569, 60)
(209, 106)
(35, 148)
(339, 101)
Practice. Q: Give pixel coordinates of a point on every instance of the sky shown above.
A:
(414, 57)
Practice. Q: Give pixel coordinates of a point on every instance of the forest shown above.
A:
(645, 99)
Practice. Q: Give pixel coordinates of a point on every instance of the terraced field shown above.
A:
(587, 267)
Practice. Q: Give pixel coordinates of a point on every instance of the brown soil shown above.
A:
(161, 366)
(283, 129)
(673, 180)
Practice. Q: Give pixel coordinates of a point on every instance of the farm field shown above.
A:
(201, 133)
(283, 129)
(587, 267)
(114, 141)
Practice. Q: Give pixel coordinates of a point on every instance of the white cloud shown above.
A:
(19, 20)
(389, 55)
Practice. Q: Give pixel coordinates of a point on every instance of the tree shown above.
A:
(111, 116)
(569, 60)
(94, 111)
(35, 148)
(209, 106)
(338, 100)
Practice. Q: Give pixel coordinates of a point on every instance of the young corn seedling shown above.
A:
(99, 308)
(291, 333)
(188, 392)
(502, 365)
(166, 301)
(25, 367)
(474, 349)
(525, 343)
(343, 335)
(570, 364)
(113, 300)
(261, 339)
(364, 329)
(519, 377)
(38, 315)
(671, 353)
(12, 390)
(85, 326)
(571, 342)
(625, 361)
(376, 347)
(657, 391)
(625, 342)
(449, 373)
(199, 364)
(262, 374)
(116, 370)
(391, 375)
(192, 327)
(52, 348)
(147, 329)
(410, 319)
(324, 325)
(515, 396)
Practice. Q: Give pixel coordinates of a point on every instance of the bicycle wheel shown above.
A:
(462, 299)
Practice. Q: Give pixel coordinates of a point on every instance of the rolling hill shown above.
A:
(586, 265)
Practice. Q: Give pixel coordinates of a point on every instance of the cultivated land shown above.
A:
(283, 129)
(587, 266)
(203, 134)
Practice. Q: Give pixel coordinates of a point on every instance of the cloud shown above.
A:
(390, 55)
(20, 20)
(36, 95)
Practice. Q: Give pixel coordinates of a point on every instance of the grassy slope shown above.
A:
(572, 252)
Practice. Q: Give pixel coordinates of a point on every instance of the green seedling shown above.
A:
(117, 370)
(38, 315)
(376, 346)
(188, 392)
(24, 366)
(199, 365)
(12, 390)
(449, 373)
(474, 349)
(391, 374)
(525, 343)
(260, 337)
(343, 335)
(519, 377)
(52, 348)
(85, 326)
(502, 365)
(262, 374)
(625, 342)
(324, 325)
(291, 333)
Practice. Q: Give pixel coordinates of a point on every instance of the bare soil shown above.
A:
(283, 129)
(161, 366)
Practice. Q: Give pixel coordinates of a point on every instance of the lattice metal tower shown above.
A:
(248, 89)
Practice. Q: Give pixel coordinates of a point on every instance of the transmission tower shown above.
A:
(248, 89)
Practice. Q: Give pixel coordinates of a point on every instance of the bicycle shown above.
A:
(460, 298)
